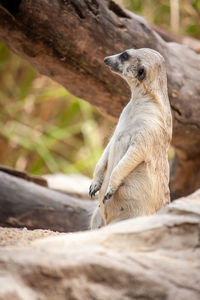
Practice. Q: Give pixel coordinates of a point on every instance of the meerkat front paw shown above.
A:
(94, 187)
(108, 195)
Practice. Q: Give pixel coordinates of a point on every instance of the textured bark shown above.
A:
(172, 37)
(155, 257)
(25, 204)
(67, 41)
(21, 174)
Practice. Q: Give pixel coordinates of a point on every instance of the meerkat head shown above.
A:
(143, 69)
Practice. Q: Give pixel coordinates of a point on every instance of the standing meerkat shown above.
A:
(132, 175)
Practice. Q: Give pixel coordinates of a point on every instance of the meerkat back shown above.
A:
(132, 176)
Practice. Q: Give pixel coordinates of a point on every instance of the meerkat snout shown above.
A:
(116, 62)
(106, 60)
(112, 62)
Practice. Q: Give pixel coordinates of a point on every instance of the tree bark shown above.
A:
(26, 204)
(181, 39)
(67, 41)
(21, 174)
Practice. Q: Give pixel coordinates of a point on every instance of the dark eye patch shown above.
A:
(124, 56)
(141, 73)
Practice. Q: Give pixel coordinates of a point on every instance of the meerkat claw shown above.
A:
(107, 197)
(92, 190)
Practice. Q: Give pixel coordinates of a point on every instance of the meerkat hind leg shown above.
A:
(97, 219)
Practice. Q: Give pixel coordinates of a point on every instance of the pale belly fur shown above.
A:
(143, 192)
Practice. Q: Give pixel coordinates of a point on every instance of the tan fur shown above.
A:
(133, 171)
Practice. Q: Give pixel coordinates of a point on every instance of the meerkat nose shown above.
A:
(106, 60)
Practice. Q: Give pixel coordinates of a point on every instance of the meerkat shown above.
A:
(132, 175)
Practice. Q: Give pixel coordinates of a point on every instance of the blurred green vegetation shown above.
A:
(158, 12)
(44, 128)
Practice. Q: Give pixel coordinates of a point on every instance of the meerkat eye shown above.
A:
(124, 56)
(141, 73)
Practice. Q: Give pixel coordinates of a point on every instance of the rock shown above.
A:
(74, 184)
(155, 257)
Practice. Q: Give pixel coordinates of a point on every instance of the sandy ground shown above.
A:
(22, 236)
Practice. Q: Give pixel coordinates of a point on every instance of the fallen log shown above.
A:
(67, 41)
(26, 204)
(22, 174)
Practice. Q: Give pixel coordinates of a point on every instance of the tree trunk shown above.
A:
(67, 41)
(26, 204)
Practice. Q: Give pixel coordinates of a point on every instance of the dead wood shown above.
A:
(172, 37)
(21, 174)
(26, 204)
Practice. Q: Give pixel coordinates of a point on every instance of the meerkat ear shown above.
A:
(141, 73)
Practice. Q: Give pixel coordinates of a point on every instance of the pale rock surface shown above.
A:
(74, 184)
(156, 257)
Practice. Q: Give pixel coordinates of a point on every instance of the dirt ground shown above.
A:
(22, 236)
